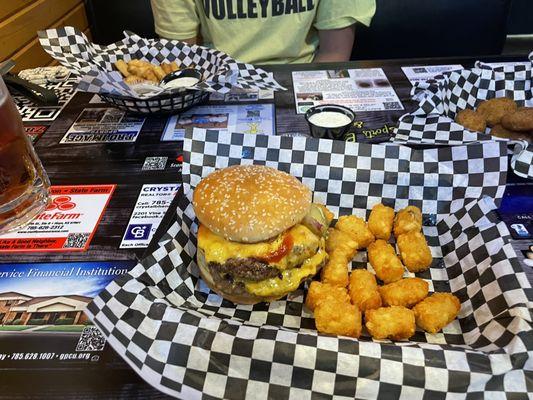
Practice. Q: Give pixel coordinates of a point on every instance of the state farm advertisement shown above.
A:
(67, 224)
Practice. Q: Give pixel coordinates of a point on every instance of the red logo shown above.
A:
(62, 203)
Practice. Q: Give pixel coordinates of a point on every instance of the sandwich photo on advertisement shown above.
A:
(260, 235)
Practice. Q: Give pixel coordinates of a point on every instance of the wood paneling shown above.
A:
(21, 19)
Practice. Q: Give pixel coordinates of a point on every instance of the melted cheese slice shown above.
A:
(217, 249)
(291, 278)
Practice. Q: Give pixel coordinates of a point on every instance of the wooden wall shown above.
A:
(21, 19)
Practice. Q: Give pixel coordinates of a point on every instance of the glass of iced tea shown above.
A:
(24, 185)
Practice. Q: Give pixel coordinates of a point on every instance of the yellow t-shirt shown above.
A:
(259, 31)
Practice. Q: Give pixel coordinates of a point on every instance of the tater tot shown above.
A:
(357, 228)
(405, 292)
(380, 221)
(336, 271)
(407, 220)
(319, 291)
(364, 290)
(436, 311)
(338, 318)
(342, 243)
(385, 262)
(414, 251)
(394, 322)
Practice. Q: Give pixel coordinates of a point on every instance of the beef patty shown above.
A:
(245, 268)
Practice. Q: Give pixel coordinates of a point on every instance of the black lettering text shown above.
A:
(240, 10)
(206, 8)
(219, 11)
(277, 7)
(291, 7)
(310, 5)
(251, 9)
(231, 14)
(301, 7)
(264, 5)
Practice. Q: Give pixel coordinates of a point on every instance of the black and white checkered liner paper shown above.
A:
(186, 341)
(96, 63)
(441, 99)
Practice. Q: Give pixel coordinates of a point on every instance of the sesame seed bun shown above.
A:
(250, 203)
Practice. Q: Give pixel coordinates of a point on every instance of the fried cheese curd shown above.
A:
(380, 221)
(357, 228)
(405, 292)
(364, 290)
(436, 311)
(521, 120)
(472, 120)
(336, 317)
(407, 220)
(385, 262)
(494, 109)
(414, 251)
(395, 322)
(319, 292)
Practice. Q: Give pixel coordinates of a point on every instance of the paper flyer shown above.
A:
(104, 125)
(150, 208)
(365, 89)
(67, 224)
(42, 319)
(424, 72)
(244, 118)
(240, 94)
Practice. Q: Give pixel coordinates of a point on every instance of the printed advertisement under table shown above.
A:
(249, 118)
(104, 125)
(151, 206)
(42, 319)
(67, 224)
(424, 72)
(365, 89)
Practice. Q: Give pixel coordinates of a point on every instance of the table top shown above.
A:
(121, 164)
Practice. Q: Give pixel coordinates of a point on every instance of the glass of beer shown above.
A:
(24, 185)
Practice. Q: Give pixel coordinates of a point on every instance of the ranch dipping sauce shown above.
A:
(183, 82)
(330, 119)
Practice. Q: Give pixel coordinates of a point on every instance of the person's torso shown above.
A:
(260, 31)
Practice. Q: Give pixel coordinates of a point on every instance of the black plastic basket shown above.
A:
(171, 103)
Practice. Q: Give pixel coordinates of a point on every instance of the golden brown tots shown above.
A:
(380, 221)
(405, 292)
(319, 291)
(338, 318)
(414, 251)
(385, 262)
(335, 272)
(407, 220)
(436, 311)
(393, 322)
(357, 228)
(341, 243)
(364, 290)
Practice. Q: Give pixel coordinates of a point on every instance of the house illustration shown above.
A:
(43, 310)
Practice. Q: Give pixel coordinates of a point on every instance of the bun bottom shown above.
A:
(241, 298)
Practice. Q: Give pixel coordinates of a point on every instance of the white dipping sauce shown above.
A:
(184, 82)
(330, 119)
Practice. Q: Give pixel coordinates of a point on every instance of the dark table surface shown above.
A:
(121, 164)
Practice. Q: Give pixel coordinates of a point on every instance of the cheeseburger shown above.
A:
(259, 235)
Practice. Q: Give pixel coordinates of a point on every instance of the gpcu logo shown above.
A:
(138, 231)
(61, 203)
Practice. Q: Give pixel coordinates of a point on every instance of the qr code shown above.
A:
(392, 105)
(154, 163)
(91, 339)
(76, 240)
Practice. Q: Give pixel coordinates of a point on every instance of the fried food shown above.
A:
(436, 311)
(174, 66)
(141, 71)
(405, 292)
(472, 120)
(167, 69)
(407, 220)
(122, 66)
(342, 243)
(393, 322)
(521, 120)
(380, 221)
(319, 291)
(357, 228)
(494, 109)
(338, 318)
(335, 272)
(158, 71)
(385, 262)
(500, 131)
(364, 290)
(134, 80)
(414, 251)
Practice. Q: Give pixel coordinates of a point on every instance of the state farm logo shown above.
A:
(61, 204)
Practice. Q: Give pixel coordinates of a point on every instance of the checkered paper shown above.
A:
(96, 63)
(441, 99)
(188, 342)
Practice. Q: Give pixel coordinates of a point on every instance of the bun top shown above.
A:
(250, 203)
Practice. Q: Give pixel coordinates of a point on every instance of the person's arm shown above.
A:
(193, 40)
(176, 19)
(335, 44)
